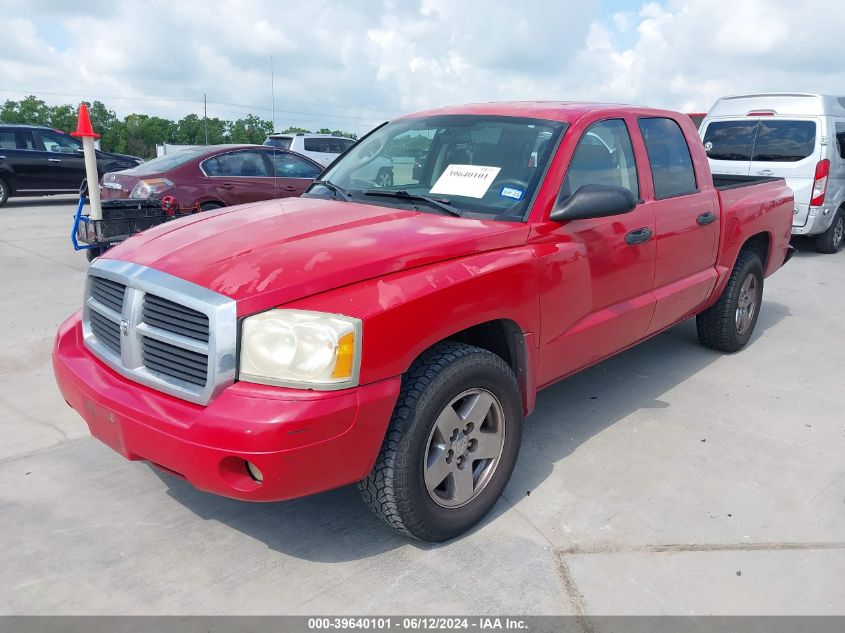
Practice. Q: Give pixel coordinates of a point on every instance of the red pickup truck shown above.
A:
(394, 335)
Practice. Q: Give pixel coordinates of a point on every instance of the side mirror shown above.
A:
(595, 201)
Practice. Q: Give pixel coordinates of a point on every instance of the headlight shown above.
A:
(147, 188)
(298, 348)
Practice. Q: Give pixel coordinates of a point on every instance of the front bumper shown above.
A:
(303, 442)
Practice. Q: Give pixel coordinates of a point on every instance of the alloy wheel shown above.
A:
(464, 448)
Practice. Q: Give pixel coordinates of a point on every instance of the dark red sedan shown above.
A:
(214, 176)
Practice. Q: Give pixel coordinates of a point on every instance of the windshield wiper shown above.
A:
(441, 204)
(337, 191)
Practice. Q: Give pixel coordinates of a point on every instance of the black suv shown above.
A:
(37, 161)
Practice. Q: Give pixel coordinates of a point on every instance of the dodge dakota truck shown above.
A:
(394, 335)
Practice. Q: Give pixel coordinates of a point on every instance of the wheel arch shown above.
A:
(504, 338)
(761, 245)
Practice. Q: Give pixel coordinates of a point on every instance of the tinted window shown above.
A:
(17, 140)
(290, 166)
(55, 142)
(244, 164)
(281, 143)
(730, 140)
(669, 157)
(840, 139)
(784, 141)
(604, 156)
(327, 145)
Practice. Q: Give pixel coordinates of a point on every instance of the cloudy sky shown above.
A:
(352, 64)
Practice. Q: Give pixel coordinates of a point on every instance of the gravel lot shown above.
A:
(668, 480)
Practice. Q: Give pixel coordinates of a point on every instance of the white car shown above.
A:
(799, 137)
(323, 148)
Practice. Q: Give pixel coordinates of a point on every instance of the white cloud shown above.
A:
(351, 65)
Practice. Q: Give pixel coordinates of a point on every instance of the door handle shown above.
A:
(227, 186)
(706, 218)
(55, 160)
(638, 236)
(765, 172)
(2, 157)
(288, 188)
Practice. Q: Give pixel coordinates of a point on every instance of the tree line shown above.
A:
(138, 134)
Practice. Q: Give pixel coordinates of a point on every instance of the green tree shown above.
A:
(28, 111)
(63, 117)
(252, 129)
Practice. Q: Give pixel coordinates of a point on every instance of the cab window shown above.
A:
(604, 156)
(668, 155)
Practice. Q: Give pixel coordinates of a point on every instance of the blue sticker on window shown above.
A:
(510, 192)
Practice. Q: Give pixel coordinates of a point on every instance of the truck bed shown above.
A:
(723, 182)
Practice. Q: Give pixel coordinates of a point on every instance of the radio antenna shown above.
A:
(273, 129)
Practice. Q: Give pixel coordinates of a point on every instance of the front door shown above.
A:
(293, 173)
(64, 160)
(596, 280)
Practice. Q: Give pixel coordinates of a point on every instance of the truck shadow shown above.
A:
(336, 526)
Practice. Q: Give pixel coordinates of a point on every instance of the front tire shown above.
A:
(830, 241)
(451, 444)
(4, 192)
(728, 325)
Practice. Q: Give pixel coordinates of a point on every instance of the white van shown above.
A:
(799, 137)
(323, 148)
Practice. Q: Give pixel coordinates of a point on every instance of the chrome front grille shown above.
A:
(108, 292)
(159, 330)
(175, 318)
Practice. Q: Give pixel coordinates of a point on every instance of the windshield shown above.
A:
(169, 161)
(478, 165)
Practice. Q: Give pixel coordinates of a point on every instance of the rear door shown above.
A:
(23, 158)
(686, 212)
(293, 173)
(789, 148)
(65, 161)
(240, 176)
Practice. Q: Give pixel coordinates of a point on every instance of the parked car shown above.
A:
(37, 161)
(697, 117)
(396, 336)
(800, 137)
(323, 148)
(208, 177)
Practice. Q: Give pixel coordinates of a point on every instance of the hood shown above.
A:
(274, 252)
(124, 157)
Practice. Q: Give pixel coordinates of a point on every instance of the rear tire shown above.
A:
(830, 241)
(4, 192)
(431, 481)
(210, 206)
(728, 325)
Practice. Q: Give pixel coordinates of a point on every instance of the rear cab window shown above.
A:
(672, 171)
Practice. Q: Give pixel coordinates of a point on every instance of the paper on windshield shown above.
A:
(471, 181)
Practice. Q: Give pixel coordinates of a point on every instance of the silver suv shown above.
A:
(323, 148)
(796, 136)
